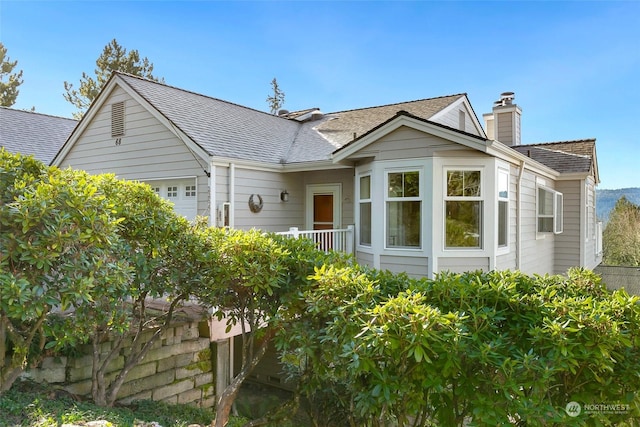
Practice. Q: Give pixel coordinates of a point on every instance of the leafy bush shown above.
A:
(466, 349)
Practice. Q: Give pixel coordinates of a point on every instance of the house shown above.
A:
(424, 185)
(35, 134)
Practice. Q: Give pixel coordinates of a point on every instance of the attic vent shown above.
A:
(117, 119)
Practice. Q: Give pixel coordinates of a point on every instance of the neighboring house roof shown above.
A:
(35, 134)
(577, 156)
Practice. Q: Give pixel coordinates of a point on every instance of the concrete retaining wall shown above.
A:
(177, 369)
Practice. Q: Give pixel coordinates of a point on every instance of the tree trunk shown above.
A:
(223, 408)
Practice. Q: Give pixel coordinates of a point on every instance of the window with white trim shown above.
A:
(503, 208)
(403, 209)
(365, 210)
(190, 191)
(550, 211)
(463, 209)
(172, 192)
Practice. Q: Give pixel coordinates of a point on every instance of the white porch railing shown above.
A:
(326, 240)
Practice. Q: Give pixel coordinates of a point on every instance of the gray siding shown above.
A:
(364, 258)
(275, 214)
(452, 119)
(413, 266)
(568, 243)
(148, 149)
(461, 265)
(537, 249)
(407, 143)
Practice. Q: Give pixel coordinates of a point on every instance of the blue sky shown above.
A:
(574, 66)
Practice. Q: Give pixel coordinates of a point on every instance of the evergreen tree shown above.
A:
(621, 237)
(9, 81)
(276, 100)
(113, 58)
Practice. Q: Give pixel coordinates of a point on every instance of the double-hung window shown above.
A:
(550, 211)
(503, 208)
(463, 209)
(365, 210)
(403, 209)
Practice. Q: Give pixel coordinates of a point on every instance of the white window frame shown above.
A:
(502, 172)
(557, 211)
(447, 198)
(419, 198)
(362, 201)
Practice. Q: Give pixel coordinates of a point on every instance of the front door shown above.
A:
(324, 211)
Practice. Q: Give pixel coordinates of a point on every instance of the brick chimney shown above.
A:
(503, 124)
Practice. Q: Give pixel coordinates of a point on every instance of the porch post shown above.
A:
(223, 365)
(351, 238)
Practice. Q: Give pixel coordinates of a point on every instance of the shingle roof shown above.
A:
(230, 130)
(345, 126)
(221, 128)
(563, 156)
(35, 134)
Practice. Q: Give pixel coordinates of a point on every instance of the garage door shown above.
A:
(180, 192)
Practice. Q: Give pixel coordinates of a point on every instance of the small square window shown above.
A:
(190, 191)
(172, 192)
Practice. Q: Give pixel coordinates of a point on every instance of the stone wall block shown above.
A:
(147, 383)
(190, 396)
(163, 392)
(142, 371)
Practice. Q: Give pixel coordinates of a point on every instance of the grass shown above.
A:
(35, 405)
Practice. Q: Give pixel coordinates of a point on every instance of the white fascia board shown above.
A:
(426, 127)
(273, 167)
(504, 152)
(574, 176)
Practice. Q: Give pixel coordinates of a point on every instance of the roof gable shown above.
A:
(30, 133)
(403, 118)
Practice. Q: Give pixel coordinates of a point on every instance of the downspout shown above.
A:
(232, 194)
(519, 217)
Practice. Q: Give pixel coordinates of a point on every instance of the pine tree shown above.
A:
(9, 81)
(113, 58)
(276, 100)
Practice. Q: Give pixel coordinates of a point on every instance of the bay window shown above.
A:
(403, 209)
(463, 209)
(503, 208)
(365, 210)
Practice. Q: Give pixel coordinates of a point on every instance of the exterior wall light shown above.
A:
(284, 196)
